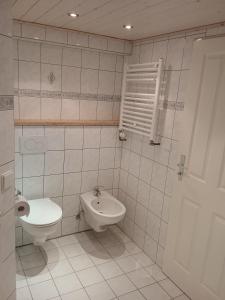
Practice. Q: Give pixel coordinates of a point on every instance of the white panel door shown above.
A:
(195, 251)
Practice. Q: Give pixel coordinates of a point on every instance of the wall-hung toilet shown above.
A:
(101, 209)
(42, 219)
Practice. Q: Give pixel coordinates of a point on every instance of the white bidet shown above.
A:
(101, 210)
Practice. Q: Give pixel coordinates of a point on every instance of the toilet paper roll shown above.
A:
(22, 207)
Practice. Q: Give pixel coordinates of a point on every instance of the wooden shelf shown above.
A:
(47, 122)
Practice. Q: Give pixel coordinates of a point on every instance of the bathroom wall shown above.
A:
(77, 160)
(7, 219)
(87, 87)
(87, 74)
(148, 172)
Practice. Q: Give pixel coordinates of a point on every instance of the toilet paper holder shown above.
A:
(17, 193)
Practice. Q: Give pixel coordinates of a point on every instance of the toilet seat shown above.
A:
(43, 212)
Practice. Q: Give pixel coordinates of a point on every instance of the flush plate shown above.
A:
(33, 144)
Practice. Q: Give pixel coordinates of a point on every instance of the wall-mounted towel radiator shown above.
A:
(140, 96)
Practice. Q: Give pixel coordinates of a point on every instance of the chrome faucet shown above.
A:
(97, 191)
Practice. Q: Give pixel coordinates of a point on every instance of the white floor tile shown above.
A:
(21, 283)
(90, 276)
(140, 278)
(143, 259)
(156, 272)
(44, 290)
(132, 248)
(88, 259)
(118, 251)
(60, 268)
(77, 295)
(20, 279)
(133, 296)
(67, 240)
(155, 292)
(100, 291)
(120, 235)
(73, 250)
(67, 284)
(23, 294)
(170, 288)
(81, 262)
(50, 244)
(109, 241)
(38, 274)
(32, 260)
(91, 245)
(121, 285)
(100, 257)
(86, 235)
(53, 255)
(182, 297)
(128, 264)
(110, 270)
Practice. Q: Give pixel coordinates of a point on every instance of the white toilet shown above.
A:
(101, 209)
(42, 219)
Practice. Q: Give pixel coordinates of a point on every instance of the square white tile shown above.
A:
(73, 250)
(110, 270)
(154, 291)
(90, 276)
(37, 275)
(67, 283)
(136, 295)
(140, 278)
(32, 260)
(100, 291)
(128, 264)
(170, 288)
(78, 295)
(81, 262)
(121, 285)
(23, 294)
(44, 290)
(60, 268)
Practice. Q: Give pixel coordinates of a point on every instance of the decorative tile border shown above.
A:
(172, 105)
(6, 103)
(65, 95)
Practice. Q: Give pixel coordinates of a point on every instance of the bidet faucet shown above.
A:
(97, 190)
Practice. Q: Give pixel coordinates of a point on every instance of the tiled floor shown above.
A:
(92, 266)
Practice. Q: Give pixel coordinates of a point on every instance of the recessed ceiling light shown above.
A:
(128, 26)
(73, 14)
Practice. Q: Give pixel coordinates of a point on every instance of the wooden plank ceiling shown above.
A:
(107, 17)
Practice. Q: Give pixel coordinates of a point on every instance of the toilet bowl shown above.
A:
(102, 210)
(42, 219)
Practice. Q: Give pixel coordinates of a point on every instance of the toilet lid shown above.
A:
(43, 212)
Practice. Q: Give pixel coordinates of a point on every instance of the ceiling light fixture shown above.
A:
(73, 14)
(128, 26)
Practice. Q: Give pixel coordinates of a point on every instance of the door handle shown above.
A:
(181, 165)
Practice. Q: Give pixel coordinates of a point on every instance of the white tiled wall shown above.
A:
(78, 159)
(7, 220)
(148, 172)
(87, 79)
(87, 84)
(71, 37)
